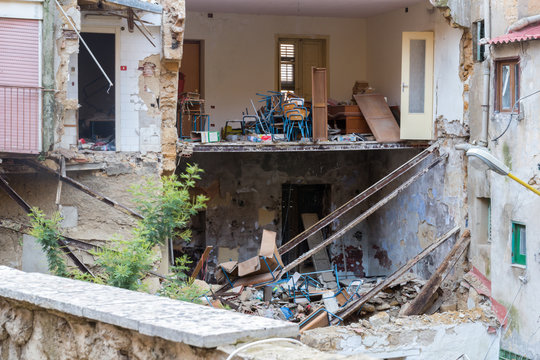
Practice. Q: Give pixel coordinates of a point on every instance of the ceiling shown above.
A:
(324, 8)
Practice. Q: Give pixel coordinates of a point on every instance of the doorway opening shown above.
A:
(295, 201)
(191, 75)
(97, 113)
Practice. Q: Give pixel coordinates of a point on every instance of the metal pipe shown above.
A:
(483, 140)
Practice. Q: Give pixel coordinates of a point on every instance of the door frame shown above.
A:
(326, 56)
(409, 124)
(116, 30)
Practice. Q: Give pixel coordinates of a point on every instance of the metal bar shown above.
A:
(84, 43)
(61, 242)
(84, 189)
(362, 217)
(336, 214)
(356, 305)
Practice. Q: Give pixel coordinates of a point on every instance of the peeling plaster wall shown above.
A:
(245, 193)
(519, 148)
(94, 221)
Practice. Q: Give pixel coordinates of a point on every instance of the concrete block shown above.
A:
(33, 257)
(70, 216)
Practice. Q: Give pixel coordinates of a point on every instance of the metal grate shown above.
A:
(19, 119)
(507, 355)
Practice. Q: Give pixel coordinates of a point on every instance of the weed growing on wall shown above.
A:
(178, 286)
(47, 233)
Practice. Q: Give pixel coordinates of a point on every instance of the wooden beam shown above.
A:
(203, 258)
(418, 305)
(354, 306)
(84, 188)
(336, 214)
(362, 217)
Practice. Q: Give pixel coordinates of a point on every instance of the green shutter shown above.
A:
(519, 243)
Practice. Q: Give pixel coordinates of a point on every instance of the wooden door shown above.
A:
(417, 86)
(312, 56)
(191, 66)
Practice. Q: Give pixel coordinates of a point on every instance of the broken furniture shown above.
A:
(347, 118)
(379, 117)
(319, 104)
(191, 115)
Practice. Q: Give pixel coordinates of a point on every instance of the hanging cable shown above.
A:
(512, 113)
(85, 45)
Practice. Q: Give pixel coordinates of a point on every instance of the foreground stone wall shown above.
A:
(48, 317)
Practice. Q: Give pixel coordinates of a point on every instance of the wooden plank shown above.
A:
(361, 218)
(354, 306)
(358, 199)
(84, 188)
(319, 97)
(203, 258)
(321, 261)
(419, 304)
(320, 320)
(379, 117)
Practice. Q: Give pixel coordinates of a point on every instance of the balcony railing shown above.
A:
(20, 119)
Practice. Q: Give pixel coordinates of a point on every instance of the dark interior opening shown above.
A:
(97, 112)
(295, 201)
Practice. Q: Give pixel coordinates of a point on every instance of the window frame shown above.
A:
(518, 258)
(514, 83)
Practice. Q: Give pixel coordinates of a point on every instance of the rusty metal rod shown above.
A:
(336, 214)
(361, 218)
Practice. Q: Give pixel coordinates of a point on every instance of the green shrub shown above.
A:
(178, 286)
(47, 233)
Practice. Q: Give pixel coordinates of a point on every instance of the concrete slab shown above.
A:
(191, 324)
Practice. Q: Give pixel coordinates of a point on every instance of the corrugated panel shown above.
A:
(19, 86)
(528, 33)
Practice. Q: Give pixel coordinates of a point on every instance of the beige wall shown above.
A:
(384, 56)
(240, 56)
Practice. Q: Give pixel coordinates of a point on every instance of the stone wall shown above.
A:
(58, 318)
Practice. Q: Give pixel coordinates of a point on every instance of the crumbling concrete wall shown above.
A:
(89, 219)
(440, 336)
(245, 193)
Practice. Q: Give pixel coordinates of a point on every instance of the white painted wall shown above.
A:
(240, 56)
(130, 49)
(384, 56)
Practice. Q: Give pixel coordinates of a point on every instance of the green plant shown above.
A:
(168, 206)
(124, 263)
(178, 286)
(47, 233)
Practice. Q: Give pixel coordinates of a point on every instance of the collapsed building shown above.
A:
(105, 113)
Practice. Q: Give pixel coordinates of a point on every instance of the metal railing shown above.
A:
(20, 119)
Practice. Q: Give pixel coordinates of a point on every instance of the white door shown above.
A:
(417, 86)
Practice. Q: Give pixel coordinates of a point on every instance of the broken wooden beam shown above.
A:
(419, 304)
(354, 306)
(84, 188)
(203, 258)
(362, 217)
(336, 214)
(61, 242)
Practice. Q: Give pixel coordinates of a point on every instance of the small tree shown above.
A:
(47, 233)
(168, 206)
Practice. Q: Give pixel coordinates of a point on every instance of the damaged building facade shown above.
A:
(92, 85)
(455, 70)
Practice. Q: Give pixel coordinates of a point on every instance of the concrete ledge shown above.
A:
(150, 315)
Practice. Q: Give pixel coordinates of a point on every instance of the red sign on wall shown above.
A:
(123, 67)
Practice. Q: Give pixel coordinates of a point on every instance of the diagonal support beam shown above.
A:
(362, 217)
(353, 307)
(83, 188)
(61, 242)
(358, 199)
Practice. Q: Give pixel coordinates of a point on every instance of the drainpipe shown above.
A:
(486, 72)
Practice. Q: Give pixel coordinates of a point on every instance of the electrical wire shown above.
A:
(513, 113)
(262, 342)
